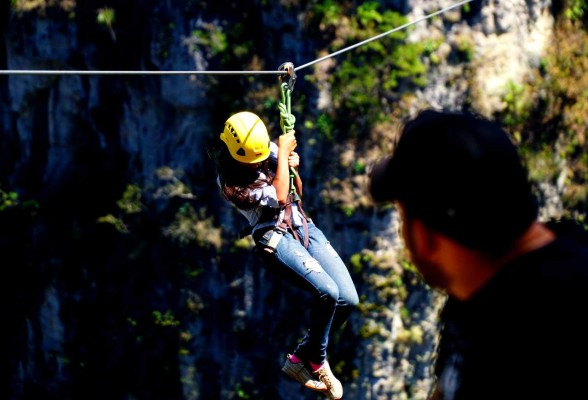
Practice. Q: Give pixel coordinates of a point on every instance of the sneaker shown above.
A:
(298, 372)
(334, 387)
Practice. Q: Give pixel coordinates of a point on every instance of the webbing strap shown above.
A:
(288, 220)
(287, 121)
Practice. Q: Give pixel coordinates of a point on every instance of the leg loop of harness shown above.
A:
(268, 239)
(287, 222)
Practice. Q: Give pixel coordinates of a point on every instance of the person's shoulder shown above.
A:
(567, 225)
(566, 259)
(569, 230)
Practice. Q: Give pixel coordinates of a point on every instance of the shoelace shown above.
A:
(324, 377)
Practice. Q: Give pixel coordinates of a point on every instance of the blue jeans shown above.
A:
(320, 271)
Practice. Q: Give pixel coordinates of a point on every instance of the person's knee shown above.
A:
(349, 301)
(353, 300)
(340, 296)
(330, 294)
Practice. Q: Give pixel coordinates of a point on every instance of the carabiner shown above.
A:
(288, 67)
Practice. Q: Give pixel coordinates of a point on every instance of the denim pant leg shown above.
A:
(320, 248)
(320, 271)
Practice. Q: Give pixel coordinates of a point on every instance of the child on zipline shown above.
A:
(261, 179)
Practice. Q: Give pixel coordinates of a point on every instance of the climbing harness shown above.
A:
(282, 217)
(272, 236)
(287, 121)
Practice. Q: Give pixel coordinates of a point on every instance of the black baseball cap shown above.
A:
(462, 175)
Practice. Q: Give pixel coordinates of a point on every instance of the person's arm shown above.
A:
(286, 145)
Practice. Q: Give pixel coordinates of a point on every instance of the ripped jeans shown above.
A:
(320, 271)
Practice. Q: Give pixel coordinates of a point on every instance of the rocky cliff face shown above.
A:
(127, 278)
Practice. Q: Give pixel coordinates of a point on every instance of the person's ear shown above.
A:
(423, 238)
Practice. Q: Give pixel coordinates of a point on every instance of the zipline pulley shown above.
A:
(289, 68)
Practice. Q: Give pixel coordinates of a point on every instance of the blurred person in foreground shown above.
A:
(517, 289)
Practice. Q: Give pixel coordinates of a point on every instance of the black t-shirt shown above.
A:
(522, 336)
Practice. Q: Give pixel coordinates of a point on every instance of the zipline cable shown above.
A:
(382, 34)
(82, 72)
(203, 72)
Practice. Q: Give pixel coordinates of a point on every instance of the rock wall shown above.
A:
(129, 312)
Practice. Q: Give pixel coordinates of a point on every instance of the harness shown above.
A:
(284, 215)
(287, 123)
(283, 224)
(287, 220)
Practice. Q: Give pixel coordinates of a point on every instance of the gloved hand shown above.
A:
(287, 120)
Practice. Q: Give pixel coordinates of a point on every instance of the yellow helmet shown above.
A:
(246, 137)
